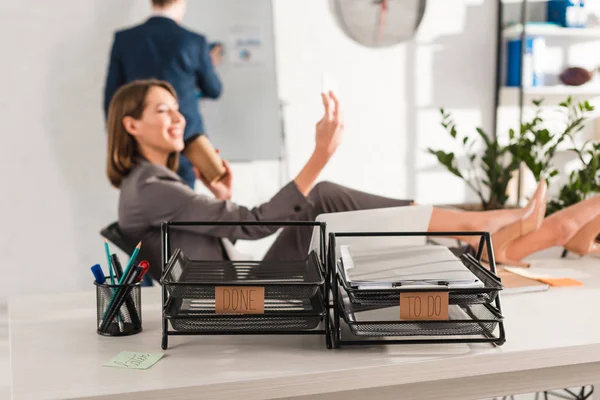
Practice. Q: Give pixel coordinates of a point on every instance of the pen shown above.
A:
(98, 274)
(145, 265)
(136, 275)
(420, 282)
(117, 264)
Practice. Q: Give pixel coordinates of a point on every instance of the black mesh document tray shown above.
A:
(296, 293)
(464, 296)
(477, 319)
(373, 316)
(198, 315)
(283, 280)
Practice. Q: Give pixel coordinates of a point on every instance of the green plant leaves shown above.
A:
(583, 183)
(535, 146)
(447, 160)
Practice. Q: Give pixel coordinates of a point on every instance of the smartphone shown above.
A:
(328, 83)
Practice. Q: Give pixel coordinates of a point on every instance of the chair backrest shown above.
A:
(114, 234)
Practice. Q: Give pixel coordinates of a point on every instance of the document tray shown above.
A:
(282, 280)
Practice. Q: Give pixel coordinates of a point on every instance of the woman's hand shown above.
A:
(327, 138)
(222, 188)
(330, 127)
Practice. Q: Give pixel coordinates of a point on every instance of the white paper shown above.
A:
(421, 266)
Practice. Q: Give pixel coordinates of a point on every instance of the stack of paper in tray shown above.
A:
(424, 265)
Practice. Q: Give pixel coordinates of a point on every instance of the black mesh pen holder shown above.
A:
(118, 309)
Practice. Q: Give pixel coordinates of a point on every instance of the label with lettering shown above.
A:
(134, 360)
(239, 300)
(419, 306)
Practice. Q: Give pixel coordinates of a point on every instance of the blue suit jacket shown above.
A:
(162, 49)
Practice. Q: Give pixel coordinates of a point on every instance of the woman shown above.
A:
(145, 136)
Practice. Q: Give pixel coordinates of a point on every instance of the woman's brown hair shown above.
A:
(163, 3)
(123, 154)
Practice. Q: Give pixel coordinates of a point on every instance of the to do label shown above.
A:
(424, 306)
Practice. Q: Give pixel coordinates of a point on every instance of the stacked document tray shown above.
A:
(477, 319)
(281, 280)
(292, 299)
(367, 284)
(198, 315)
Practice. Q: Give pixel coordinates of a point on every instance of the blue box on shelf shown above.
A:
(567, 13)
(532, 62)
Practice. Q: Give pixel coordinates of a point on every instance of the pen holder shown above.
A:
(118, 309)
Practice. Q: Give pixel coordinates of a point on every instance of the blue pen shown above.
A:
(98, 274)
(100, 279)
(122, 280)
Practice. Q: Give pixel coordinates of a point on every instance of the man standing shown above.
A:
(160, 48)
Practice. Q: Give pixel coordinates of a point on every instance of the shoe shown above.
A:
(535, 212)
(585, 240)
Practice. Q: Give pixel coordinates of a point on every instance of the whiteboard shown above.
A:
(244, 122)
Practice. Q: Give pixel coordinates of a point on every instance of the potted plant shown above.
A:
(536, 146)
(583, 182)
(495, 162)
(489, 172)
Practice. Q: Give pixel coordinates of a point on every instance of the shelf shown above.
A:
(514, 31)
(551, 94)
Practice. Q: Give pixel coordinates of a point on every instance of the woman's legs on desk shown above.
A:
(327, 197)
(516, 233)
(574, 228)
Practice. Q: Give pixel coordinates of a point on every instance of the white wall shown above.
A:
(55, 197)
(390, 96)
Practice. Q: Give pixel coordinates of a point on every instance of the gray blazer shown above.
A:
(151, 194)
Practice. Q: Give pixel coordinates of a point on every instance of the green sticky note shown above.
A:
(134, 360)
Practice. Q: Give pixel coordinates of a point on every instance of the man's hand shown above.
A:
(216, 55)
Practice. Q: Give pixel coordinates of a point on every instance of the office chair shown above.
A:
(114, 235)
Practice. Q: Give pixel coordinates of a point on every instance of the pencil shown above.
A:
(110, 267)
(112, 280)
(128, 271)
(128, 268)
